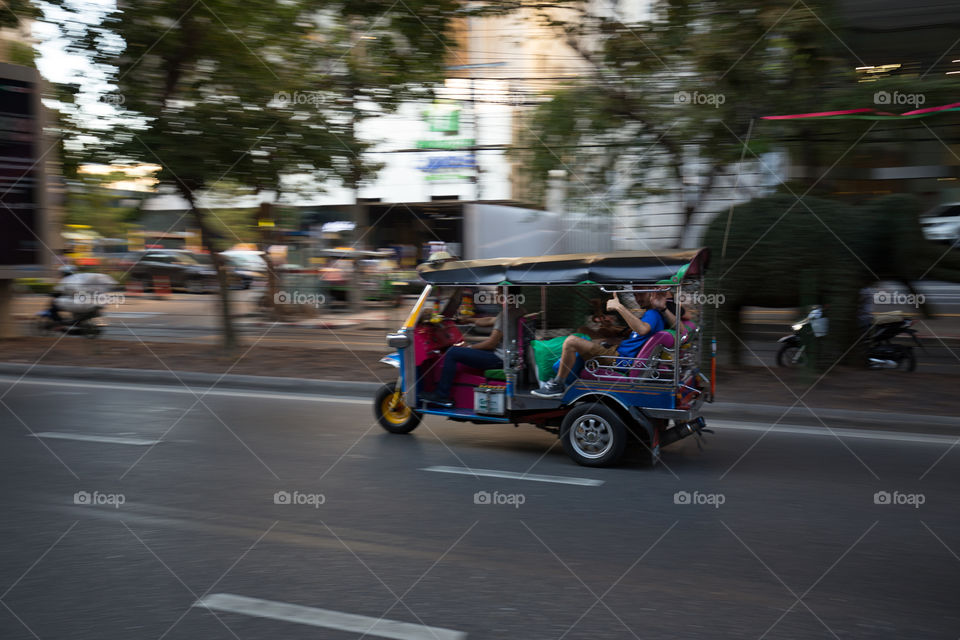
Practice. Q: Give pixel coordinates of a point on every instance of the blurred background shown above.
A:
(329, 148)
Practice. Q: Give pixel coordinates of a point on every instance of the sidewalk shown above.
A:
(386, 319)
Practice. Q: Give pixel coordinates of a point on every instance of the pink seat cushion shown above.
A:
(661, 338)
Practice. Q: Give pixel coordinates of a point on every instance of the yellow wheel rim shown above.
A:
(394, 409)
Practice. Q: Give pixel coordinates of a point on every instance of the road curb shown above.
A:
(761, 413)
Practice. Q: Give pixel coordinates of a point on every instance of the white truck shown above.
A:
(502, 231)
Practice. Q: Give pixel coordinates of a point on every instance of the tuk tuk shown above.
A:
(654, 398)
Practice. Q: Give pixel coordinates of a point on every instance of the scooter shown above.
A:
(885, 354)
(88, 324)
(882, 353)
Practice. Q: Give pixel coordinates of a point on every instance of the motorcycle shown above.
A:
(78, 299)
(84, 323)
(882, 352)
(885, 354)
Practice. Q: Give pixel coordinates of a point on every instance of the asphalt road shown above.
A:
(783, 538)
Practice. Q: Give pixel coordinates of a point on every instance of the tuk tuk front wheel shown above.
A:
(593, 435)
(392, 413)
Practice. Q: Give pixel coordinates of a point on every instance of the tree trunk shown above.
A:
(229, 335)
(355, 289)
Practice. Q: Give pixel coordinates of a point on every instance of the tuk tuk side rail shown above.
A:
(652, 368)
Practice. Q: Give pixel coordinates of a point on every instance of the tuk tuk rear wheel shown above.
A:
(392, 413)
(593, 435)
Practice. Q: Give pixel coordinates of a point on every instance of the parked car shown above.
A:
(183, 270)
(942, 223)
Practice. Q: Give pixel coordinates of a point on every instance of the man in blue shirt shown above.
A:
(642, 326)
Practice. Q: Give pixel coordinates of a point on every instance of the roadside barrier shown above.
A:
(161, 287)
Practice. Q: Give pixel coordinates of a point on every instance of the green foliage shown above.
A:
(15, 12)
(677, 92)
(254, 91)
(259, 89)
(785, 252)
(21, 53)
(682, 86)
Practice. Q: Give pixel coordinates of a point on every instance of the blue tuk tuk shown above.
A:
(653, 399)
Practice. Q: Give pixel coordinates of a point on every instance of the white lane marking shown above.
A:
(325, 618)
(55, 435)
(512, 475)
(864, 434)
(192, 390)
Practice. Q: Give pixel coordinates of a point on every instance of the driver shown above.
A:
(487, 354)
(55, 293)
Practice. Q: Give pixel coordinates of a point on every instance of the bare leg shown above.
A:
(571, 347)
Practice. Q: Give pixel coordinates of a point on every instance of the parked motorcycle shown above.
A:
(885, 354)
(882, 352)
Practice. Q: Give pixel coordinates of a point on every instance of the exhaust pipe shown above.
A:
(684, 430)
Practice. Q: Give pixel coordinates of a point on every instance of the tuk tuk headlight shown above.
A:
(398, 340)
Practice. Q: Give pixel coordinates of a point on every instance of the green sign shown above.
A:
(443, 117)
(446, 143)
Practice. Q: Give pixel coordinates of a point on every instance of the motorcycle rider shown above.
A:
(66, 271)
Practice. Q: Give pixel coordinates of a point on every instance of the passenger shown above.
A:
(670, 312)
(483, 355)
(649, 322)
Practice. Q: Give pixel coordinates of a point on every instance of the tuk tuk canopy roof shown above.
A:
(621, 268)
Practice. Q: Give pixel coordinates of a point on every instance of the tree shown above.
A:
(260, 90)
(675, 96)
(90, 202)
